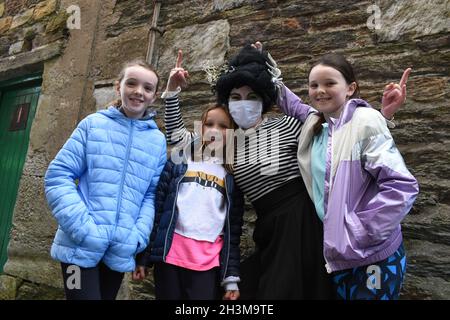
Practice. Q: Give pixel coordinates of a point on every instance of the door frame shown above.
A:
(20, 82)
(24, 82)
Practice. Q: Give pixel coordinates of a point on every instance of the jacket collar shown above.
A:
(348, 111)
(144, 123)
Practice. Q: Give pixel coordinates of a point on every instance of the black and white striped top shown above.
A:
(266, 161)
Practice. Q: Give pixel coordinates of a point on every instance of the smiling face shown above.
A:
(328, 90)
(137, 90)
(214, 124)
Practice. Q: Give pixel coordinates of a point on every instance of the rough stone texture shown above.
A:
(428, 268)
(35, 274)
(103, 96)
(296, 32)
(414, 18)
(29, 214)
(38, 26)
(14, 6)
(33, 291)
(200, 43)
(16, 48)
(5, 24)
(44, 9)
(220, 5)
(57, 22)
(142, 290)
(22, 18)
(108, 59)
(58, 111)
(24, 63)
(26, 264)
(8, 287)
(4, 46)
(129, 14)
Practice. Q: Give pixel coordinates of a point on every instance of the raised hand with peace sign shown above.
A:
(178, 76)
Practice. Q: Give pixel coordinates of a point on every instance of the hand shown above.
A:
(394, 96)
(273, 69)
(139, 274)
(178, 76)
(231, 295)
(257, 45)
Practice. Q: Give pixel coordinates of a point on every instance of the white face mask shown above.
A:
(246, 113)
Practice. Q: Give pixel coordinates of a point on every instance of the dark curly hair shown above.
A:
(248, 68)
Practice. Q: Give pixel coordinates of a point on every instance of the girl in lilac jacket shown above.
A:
(357, 179)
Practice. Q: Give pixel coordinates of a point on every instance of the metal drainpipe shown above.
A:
(153, 30)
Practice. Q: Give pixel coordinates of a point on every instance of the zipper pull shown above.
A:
(327, 266)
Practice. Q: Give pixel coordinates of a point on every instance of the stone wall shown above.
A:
(412, 33)
(31, 33)
(30, 273)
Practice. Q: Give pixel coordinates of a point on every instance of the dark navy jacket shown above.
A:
(167, 214)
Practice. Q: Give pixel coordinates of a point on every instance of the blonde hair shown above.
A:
(132, 63)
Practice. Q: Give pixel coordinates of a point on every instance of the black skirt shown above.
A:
(288, 261)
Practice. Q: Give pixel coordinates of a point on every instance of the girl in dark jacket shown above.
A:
(195, 242)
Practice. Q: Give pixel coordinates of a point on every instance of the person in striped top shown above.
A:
(288, 262)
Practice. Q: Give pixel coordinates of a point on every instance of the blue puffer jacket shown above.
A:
(167, 215)
(109, 215)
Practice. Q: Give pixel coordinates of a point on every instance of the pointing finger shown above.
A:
(179, 59)
(405, 77)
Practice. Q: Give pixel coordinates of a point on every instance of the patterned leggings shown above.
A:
(380, 281)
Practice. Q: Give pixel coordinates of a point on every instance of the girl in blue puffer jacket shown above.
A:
(195, 242)
(105, 219)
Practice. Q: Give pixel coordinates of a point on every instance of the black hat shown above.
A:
(249, 68)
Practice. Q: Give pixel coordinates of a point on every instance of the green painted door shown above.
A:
(17, 109)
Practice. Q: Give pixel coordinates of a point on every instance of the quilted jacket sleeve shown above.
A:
(162, 191)
(66, 203)
(236, 221)
(144, 223)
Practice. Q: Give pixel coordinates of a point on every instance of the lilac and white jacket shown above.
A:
(368, 189)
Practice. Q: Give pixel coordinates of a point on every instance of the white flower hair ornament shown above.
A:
(275, 72)
(213, 72)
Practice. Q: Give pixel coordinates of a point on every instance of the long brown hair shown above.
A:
(133, 63)
(338, 62)
(228, 167)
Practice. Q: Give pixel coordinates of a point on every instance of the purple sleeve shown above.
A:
(293, 106)
(397, 187)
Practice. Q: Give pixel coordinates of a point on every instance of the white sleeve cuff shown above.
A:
(170, 94)
(231, 283)
(231, 286)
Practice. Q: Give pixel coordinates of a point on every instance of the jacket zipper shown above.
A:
(171, 218)
(331, 128)
(127, 156)
(175, 200)
(228, 230)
